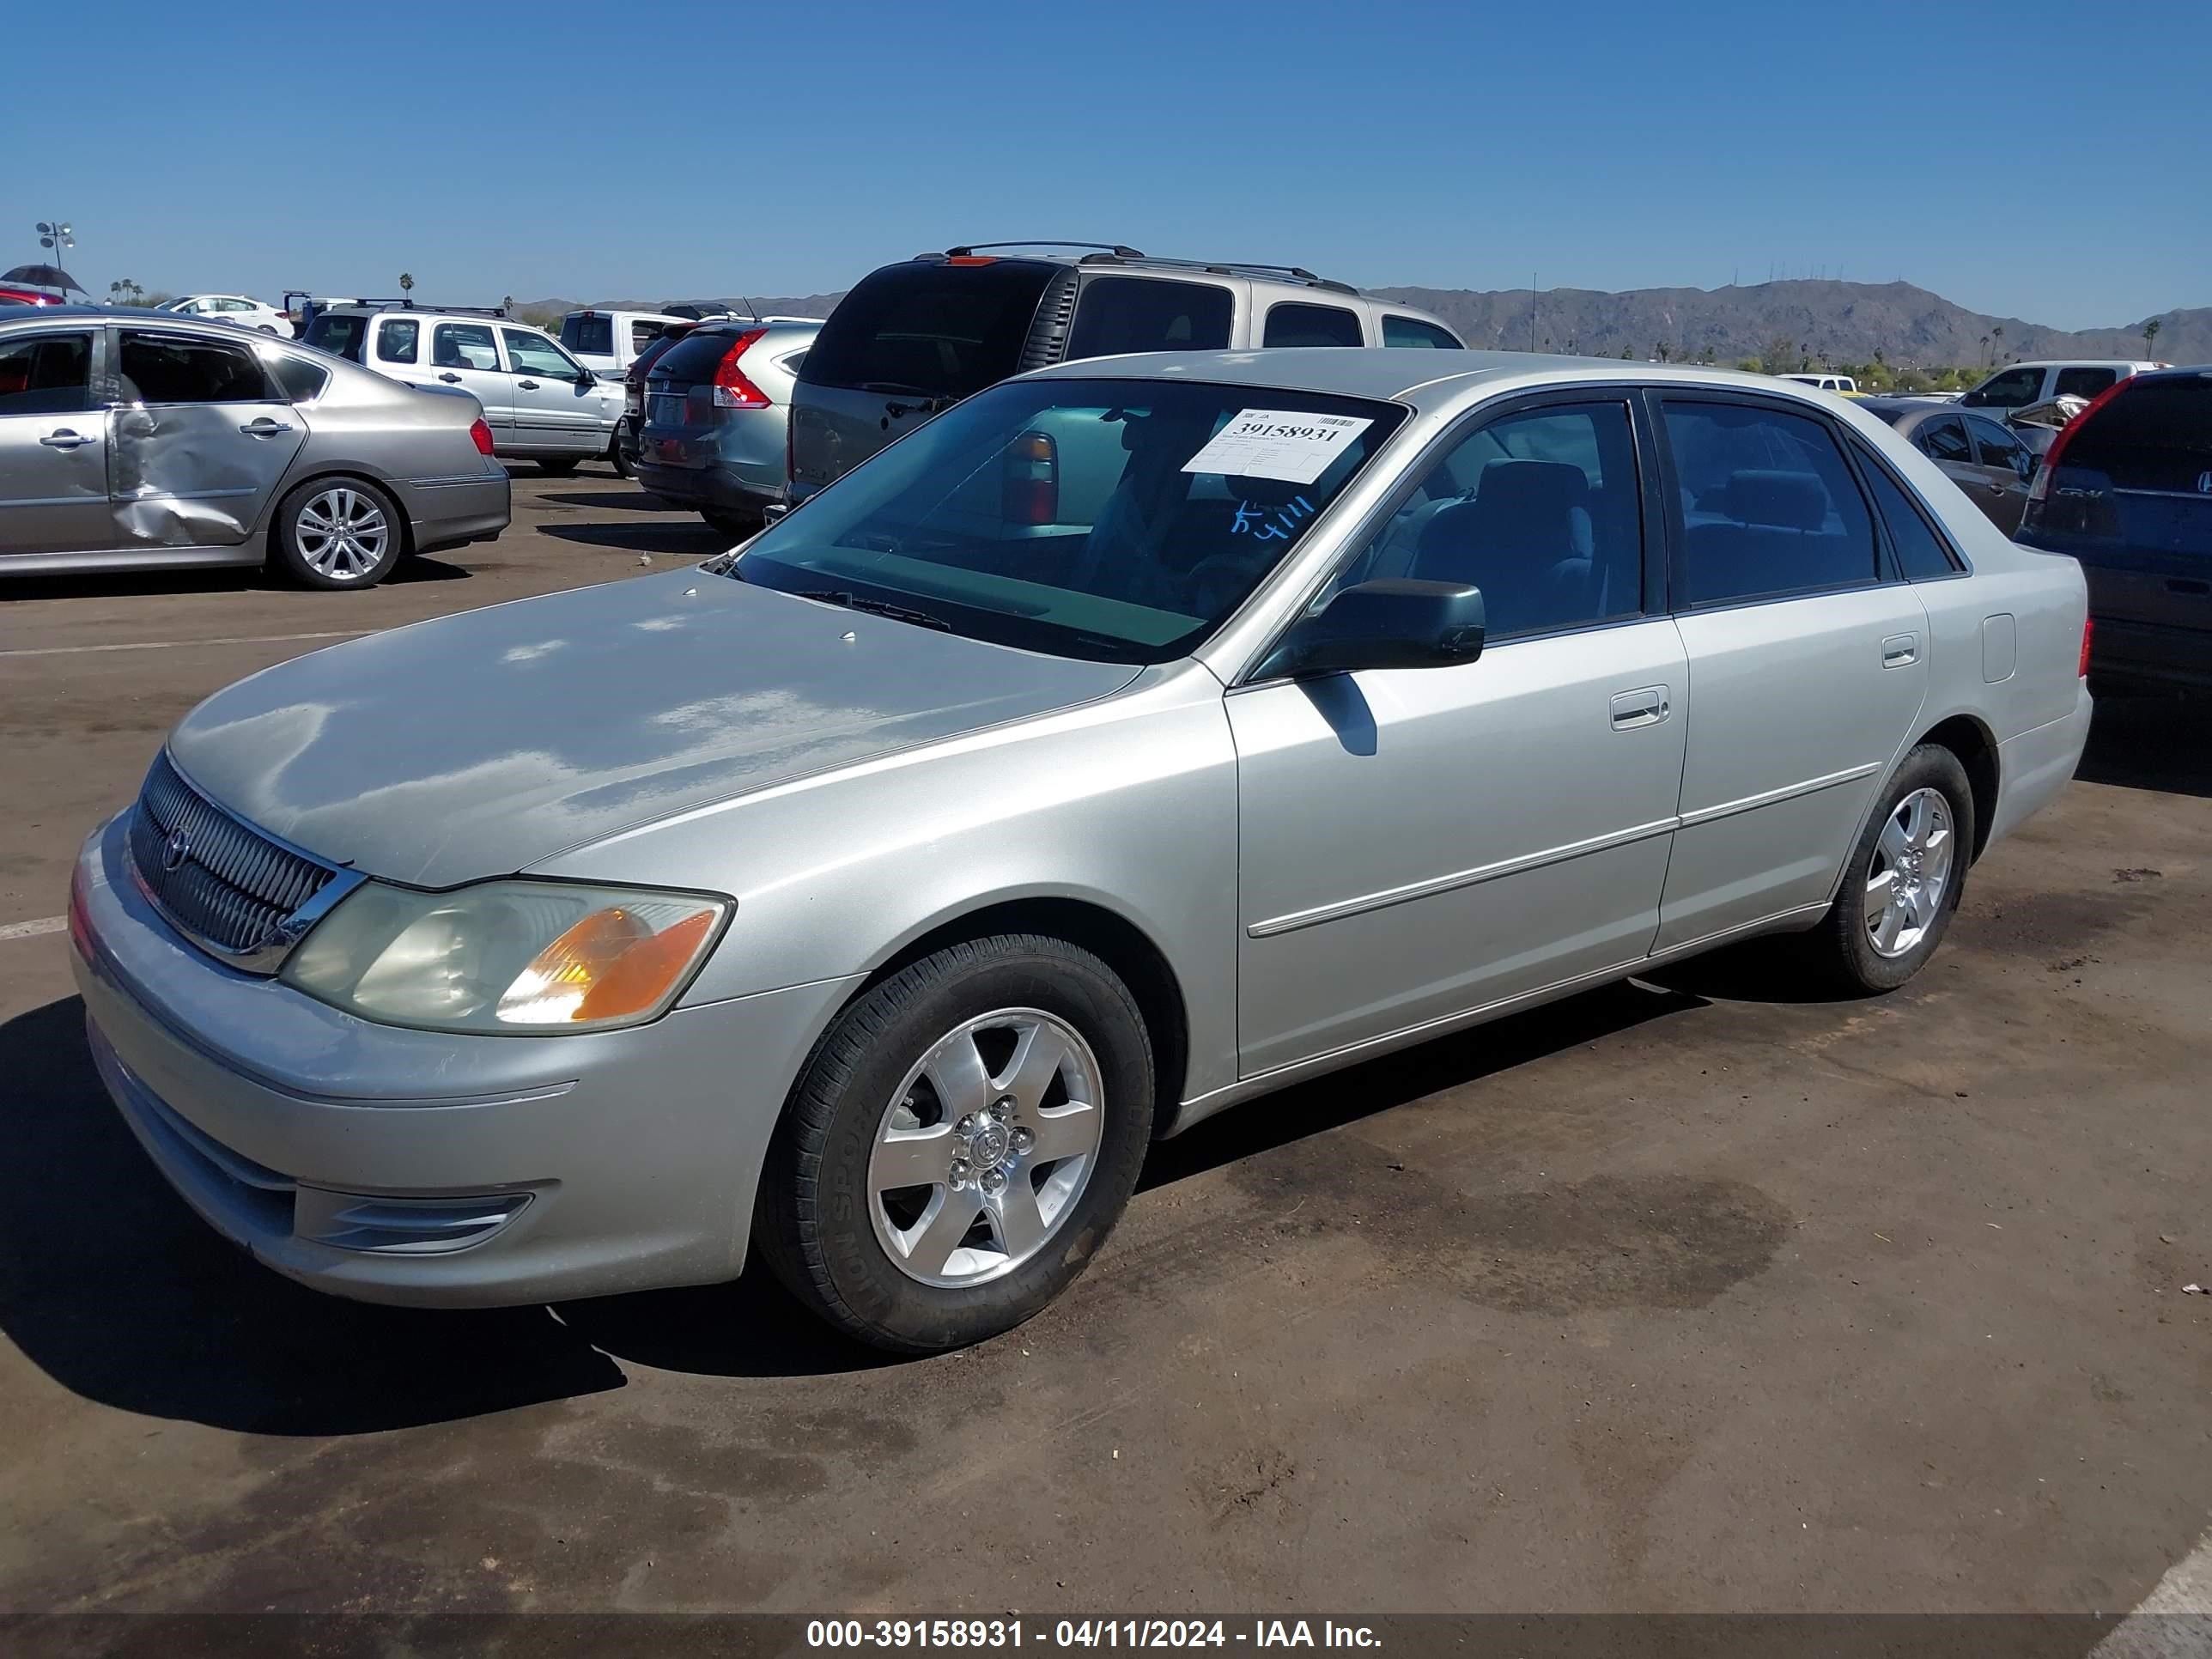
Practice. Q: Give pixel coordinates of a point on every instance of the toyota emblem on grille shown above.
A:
(175, 850)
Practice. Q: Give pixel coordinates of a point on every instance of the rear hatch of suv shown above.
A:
(2127, 489)
(911, 339)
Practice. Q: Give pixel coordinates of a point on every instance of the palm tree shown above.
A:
(1985, 350)
(406, 281)
(2150, 333)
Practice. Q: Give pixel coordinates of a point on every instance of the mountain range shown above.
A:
(1843, 322)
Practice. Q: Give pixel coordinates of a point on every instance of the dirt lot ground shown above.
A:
(1680, 1296)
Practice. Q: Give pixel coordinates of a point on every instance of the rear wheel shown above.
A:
(1902, 885)
(560, 469)
(961, 1144)
(616, 458)
(337, 532)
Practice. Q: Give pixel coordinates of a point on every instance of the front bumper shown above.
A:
(425, 1167)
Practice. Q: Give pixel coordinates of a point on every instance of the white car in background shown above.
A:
(240, 309)
(608, 342)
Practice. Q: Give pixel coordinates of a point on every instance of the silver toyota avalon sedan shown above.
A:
(1134, 738)
(146, 440)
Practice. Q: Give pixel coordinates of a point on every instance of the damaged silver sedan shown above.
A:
(139, 441)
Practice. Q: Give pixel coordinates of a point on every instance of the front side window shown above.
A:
(1540, 510)
(1311, 326)
(1994, 446)
(464, 345)
(533, 353)
(1769, 506)
(1119, 314)
(46, 374)
(398, 340)
(2010, 390)
(1944, 439)
(1921, 553)
(2084, 382)
(1413, 332)
(1103, 519)
(172, 368)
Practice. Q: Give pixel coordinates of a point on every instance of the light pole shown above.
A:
(55, 234)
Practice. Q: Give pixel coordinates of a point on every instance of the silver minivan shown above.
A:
(541, 403)
(916, 337)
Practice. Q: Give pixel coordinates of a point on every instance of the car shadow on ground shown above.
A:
(694, 540)
(238, 579)
(2151, 741)
(632, 500)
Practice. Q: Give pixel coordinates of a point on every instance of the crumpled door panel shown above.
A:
(186, 475)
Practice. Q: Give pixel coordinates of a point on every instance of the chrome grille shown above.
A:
(226, 885)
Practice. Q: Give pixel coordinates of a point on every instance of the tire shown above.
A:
(1927, 809)
(337, 532)
(561, 469)
(730, 524)
(889, 1263)
(616, 459)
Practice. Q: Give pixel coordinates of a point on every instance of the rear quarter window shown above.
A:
(929, 329)
(1119, 314)
(1413, 332)
(1296, 324)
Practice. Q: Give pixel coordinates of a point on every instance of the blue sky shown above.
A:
(2044, 161)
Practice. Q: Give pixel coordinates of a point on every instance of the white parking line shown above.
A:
(2174, 1621)
(33, 929)
(170, 645)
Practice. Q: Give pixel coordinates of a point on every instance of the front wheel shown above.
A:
(1902, 885)
(961, 1144)
(337, 532)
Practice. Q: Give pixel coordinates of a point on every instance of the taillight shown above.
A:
(732, 389)
(1029, 491)
(2087, 628)
(480, 434)
(2040, 489)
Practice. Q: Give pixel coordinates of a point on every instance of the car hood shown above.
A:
(482, 744)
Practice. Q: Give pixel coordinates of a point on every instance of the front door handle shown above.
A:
(451, 380)
(527, 386)
(65, 439)
(1648, 705)
(264, 428)
(1900, 650)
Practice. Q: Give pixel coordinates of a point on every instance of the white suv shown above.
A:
(2025, 385)
(242, 310)
(608, 342)
(541, 403)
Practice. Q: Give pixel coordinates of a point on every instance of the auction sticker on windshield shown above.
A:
(1295, 446)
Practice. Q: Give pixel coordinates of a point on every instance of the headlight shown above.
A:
(507, 955)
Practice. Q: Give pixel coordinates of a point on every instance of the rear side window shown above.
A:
(2154, 434)
(929, 330)
(1944, 439)
(1139, 314)
(1769, 507)
(159, 369)
(302, 381)
(46, 374)
(592, 336)
(2084, 382)
(1311, 326)
(1921, 553)
(1413, 332)
(1997, 447)
(463, 345)
(341, 336)
(398, 340)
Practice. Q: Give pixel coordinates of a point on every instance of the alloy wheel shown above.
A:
(1909, 877)
(342, 534)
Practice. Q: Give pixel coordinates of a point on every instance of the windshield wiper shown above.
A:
(852, 601)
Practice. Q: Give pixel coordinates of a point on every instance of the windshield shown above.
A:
(1066, 516)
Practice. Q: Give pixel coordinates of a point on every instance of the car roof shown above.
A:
(2067, 362)
(1424, 380)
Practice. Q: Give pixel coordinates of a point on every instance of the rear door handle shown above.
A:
(264, 428)
(1900, 650)
(65, 439)
(1648, 705)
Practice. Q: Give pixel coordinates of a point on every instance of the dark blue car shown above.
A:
(2127, 489)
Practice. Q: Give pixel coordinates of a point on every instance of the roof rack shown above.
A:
(413, 305)
(1116, 248)
(1236, 268)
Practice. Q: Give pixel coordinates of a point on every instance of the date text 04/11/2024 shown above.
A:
(897, 1634)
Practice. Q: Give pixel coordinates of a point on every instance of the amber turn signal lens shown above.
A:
(610, 965)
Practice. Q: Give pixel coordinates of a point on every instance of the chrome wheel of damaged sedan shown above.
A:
(986, 1147)
(1909, 873)
(342, 533)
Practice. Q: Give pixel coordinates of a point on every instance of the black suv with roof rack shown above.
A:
(916, 336)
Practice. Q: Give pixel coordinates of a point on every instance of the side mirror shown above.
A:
(1394, 623)
(586, 377)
